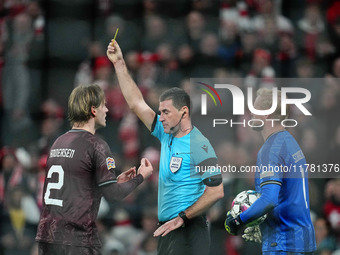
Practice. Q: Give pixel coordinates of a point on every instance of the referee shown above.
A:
(184, 194)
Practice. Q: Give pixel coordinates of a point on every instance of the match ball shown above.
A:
(242, 202)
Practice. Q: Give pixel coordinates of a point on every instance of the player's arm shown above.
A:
(112, 190)
(213, 192)
(130, 90)
(267, 202)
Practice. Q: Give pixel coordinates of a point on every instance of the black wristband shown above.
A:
(183, 216)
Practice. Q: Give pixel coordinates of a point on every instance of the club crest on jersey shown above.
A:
(175, 164)
(110, 163)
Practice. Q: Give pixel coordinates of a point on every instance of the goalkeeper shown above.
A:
(288, 228)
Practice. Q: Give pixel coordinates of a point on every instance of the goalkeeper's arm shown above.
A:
(267, 202)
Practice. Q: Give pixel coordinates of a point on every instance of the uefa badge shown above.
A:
(110, 163)
(175, 164)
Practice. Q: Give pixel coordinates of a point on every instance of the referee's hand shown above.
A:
(166, 228)
(114, 52)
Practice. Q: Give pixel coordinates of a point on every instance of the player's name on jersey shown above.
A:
(62, 153)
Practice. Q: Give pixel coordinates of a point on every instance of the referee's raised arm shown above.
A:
(129, 88)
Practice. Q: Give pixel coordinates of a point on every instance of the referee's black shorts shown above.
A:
(193, 239)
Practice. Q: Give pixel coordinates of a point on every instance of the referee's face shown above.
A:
(170, 116)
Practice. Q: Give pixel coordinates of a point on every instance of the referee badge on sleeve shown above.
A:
(110, 163)
(175, 164)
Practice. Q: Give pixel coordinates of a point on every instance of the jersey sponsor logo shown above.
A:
(298, 156)
(110, 163)
(205, 148)
(175, 164)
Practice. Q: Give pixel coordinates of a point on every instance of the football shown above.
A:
(242, 202)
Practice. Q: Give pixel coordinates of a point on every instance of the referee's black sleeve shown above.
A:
(154, 123)
(211, 181)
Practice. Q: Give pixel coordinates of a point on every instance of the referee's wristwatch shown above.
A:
(184, 217)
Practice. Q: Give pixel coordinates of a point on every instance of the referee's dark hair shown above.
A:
(178, 96)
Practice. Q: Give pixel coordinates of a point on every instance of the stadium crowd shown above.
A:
(165, 43)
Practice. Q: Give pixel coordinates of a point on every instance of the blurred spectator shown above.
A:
(133, 62)
(18, 232)
(269, 23)
(244, 56)
(84, 74)
(332, 206)
(268, 15)
(230, 44)
(205, 7)
(310, 146)
(286, 57)
(36, 179)
(123, 231)
(116, 103)
(186, 59)
(113, 247)
(327, 116)
(36, 55)
(146, 244)
(261, 74)
(310, 28)
(102, 72)
(146, 199)
(333, 156)
(156, 32)
(148, 72)
(305, 69)
(16, 88)
(128, 133)
(11, 173)
(196, 27)
(333, 19)
(208, 58)
(333, 80)
(168, 74)
(151, 7)
(325, 242)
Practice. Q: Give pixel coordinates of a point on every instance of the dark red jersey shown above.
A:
(78, 164)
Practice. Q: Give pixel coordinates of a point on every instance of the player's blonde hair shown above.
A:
(81, 101)
(266, 96)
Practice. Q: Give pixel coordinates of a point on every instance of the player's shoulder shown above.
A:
(83, 138)
(278, 139)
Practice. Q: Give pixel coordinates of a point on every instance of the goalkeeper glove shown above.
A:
(233, 225)
(252, 234)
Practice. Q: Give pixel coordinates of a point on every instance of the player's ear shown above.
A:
(93, 111)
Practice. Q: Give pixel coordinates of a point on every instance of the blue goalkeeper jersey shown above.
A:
(288, 226)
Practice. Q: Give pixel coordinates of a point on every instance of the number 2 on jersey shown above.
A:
(57, 169)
